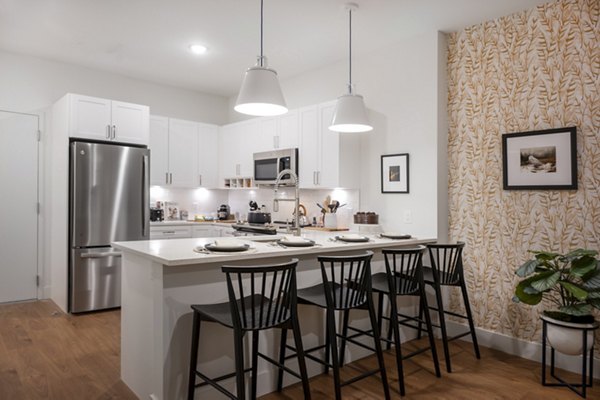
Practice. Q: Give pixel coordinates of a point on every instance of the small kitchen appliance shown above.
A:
(223, 212)
(268, 164)
(256, 216)
(156, 214)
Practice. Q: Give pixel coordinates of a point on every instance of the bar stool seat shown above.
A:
(260, 297)
(429, 278)
(315, 295)
(221, 312)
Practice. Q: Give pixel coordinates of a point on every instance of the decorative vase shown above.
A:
(567, 337)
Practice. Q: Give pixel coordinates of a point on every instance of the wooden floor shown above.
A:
(45, 354)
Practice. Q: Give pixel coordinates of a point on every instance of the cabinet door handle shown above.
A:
(114, 132)
(318, 177)
(170, 178)
(166, 178)
(200, 179)
(314, 177)
(108, 131)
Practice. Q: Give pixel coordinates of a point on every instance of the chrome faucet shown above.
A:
(296, 199)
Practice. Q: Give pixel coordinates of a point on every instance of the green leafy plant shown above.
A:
(570, 281)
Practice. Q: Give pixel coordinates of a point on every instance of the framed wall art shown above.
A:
(394, 173)
(540, 160)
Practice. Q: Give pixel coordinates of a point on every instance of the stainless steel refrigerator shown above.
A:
(109, 201)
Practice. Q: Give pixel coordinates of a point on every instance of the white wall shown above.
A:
(401, 86)
(30, 83)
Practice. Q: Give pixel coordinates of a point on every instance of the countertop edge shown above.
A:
(275, 252)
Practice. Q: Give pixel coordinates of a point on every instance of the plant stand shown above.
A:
(587, 363)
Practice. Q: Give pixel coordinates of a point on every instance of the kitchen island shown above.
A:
(162, 278)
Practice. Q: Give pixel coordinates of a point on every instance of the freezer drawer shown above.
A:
(95, 279)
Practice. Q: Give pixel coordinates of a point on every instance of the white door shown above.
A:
(159, 150)
(183, 153)
(268, 137)
(130, 122)
(18, 214)
(89, 117)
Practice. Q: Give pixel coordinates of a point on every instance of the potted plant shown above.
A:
(572, 283)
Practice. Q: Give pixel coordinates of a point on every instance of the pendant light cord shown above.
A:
(261, 34)
(350, 50)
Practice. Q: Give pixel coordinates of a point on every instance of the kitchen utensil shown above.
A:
(331, 208)
(327, 202)
(323, 210)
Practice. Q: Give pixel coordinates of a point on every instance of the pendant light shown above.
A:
(260, 94)
(350, 113)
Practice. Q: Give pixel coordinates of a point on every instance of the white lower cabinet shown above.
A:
(170, 232)
(206, 231)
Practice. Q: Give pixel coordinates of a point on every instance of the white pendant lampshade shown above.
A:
(350, 113)
(260, 94)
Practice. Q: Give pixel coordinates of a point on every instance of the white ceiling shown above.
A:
(148, 39)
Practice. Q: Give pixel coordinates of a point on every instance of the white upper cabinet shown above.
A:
(90, 117)
(183, 153)
(159, 150)
(279, 132)
(108, 120)
(208, 159)
(327, 159)
(288, 130)
(310, 148)
(130, 122)
(237, 144)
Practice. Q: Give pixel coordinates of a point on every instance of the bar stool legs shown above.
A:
(470, 319)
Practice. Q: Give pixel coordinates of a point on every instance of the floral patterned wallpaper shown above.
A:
(537, 69)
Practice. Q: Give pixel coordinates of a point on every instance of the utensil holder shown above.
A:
(330, 220)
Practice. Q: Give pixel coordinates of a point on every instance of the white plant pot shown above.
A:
(567, 337)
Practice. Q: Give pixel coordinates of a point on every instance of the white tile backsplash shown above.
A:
(207, 201)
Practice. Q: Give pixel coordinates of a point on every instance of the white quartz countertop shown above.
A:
(175, 252)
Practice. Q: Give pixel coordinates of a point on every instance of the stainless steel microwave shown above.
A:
(268, 164)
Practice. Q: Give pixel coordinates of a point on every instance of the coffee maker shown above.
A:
(223, 212)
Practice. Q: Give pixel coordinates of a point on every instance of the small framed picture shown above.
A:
(537, 160)
(394, 173)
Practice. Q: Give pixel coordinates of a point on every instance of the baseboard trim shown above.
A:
(522, 348)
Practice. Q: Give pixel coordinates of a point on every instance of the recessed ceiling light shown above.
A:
(198, 49)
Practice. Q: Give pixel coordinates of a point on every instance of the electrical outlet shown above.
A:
(407, 217)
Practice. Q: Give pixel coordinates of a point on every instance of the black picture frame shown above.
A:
(540, 160)
(395, 177)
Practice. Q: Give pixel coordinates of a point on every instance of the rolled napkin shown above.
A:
(352, 236)
(225, 243)
(294, 239)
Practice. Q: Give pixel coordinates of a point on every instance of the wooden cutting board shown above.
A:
(314, 228)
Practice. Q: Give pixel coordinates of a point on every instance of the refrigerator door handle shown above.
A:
(145, 200)
(104, 254)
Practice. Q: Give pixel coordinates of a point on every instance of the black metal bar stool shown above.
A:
(269, 302)
(346, 285)
(403, 277)
(447, 270)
